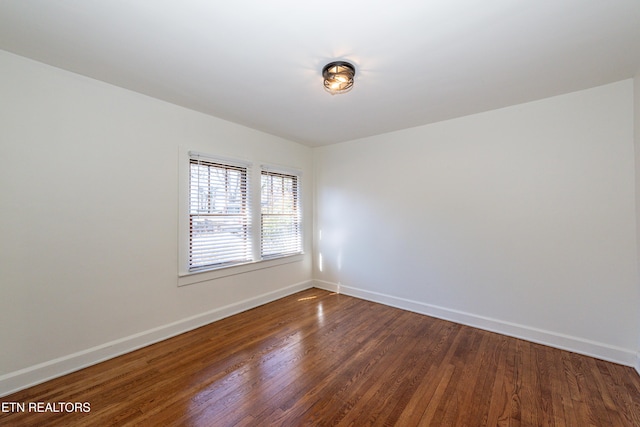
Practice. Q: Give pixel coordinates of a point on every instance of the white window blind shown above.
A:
(281, 231)
(219, 215)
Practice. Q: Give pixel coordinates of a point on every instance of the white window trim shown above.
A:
(191, 278)
(281, 169)
(186, 277)
(220, 159)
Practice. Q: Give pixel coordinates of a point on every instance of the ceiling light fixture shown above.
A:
(338, 77)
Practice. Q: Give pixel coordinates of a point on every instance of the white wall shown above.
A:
(636, 127)
(88, 222)
(519, 220)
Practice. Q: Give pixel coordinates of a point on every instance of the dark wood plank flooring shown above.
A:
(316, 358)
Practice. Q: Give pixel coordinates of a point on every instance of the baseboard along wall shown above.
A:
(27, 377)
(24, 378)
(553, 339)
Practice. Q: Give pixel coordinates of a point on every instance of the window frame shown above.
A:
(186, 277)
(216, 199)
(293, 214)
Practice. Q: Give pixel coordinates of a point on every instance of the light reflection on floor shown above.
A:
(320, 315)
(276, 362)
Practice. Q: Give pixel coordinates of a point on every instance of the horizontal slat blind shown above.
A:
(281, 232)
(219, 215)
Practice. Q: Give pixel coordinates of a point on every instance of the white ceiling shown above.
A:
(258, 62)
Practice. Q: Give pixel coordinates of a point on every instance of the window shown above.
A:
(219, 215)
(280, 222)
(235, 217)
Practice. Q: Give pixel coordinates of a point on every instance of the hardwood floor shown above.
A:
(316, 358)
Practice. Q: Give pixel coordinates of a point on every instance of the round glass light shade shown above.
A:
(338, 77)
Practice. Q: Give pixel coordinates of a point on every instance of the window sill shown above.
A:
(187, 278)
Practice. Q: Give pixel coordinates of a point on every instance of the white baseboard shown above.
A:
(27, 377)
(549, 338)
